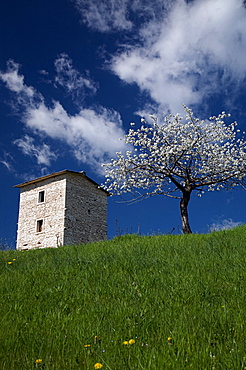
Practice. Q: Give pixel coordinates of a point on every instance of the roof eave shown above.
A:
(55, 174)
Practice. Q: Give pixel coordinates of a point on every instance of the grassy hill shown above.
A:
(157, 302)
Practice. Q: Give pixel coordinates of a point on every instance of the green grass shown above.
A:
(191, 288)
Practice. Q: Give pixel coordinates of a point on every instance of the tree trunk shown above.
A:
(184, 212)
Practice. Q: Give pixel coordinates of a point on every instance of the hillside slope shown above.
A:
(179, 300)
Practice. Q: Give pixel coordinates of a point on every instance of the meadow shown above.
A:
(133, 303)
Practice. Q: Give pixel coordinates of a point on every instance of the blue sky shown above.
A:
(75, 73)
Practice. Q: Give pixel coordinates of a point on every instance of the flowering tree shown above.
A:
(178, 158)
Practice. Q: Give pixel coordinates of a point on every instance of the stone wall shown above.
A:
(65, 209)
(86, 211)
(51, 211)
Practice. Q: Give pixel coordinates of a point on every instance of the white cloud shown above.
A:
(42, 153)
(15, 81)
(43, 72)
(104, 15)
(198, 49)
(92, 134)
(7, 160)
(5, 163)
(71, 79)
(224, 224)
(120, 15)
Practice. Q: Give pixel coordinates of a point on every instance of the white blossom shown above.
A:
(178, 157)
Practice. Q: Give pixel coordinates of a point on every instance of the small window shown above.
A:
(40, 226)
(41, 197)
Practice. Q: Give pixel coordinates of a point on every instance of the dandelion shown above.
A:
(170, 341)
(131, 341)
(87, 345)
(14, 259)
(9, 263)
(38, 361)
(98, 365)
(125, 342)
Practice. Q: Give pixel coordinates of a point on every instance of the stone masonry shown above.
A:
(65, 207)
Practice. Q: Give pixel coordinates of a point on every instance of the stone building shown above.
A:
(65, 207)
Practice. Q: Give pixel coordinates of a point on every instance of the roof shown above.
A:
(55, 174)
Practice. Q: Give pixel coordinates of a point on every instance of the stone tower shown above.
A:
(65, 207)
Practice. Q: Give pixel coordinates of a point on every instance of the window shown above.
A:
(39, 228)
(41, 197)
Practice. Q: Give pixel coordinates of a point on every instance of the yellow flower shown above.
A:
(169, 339)
(38, 361)
(126, 342)
(131, 341)
(9, 263)
(98, 365)
(87, 345)
(14, 259)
